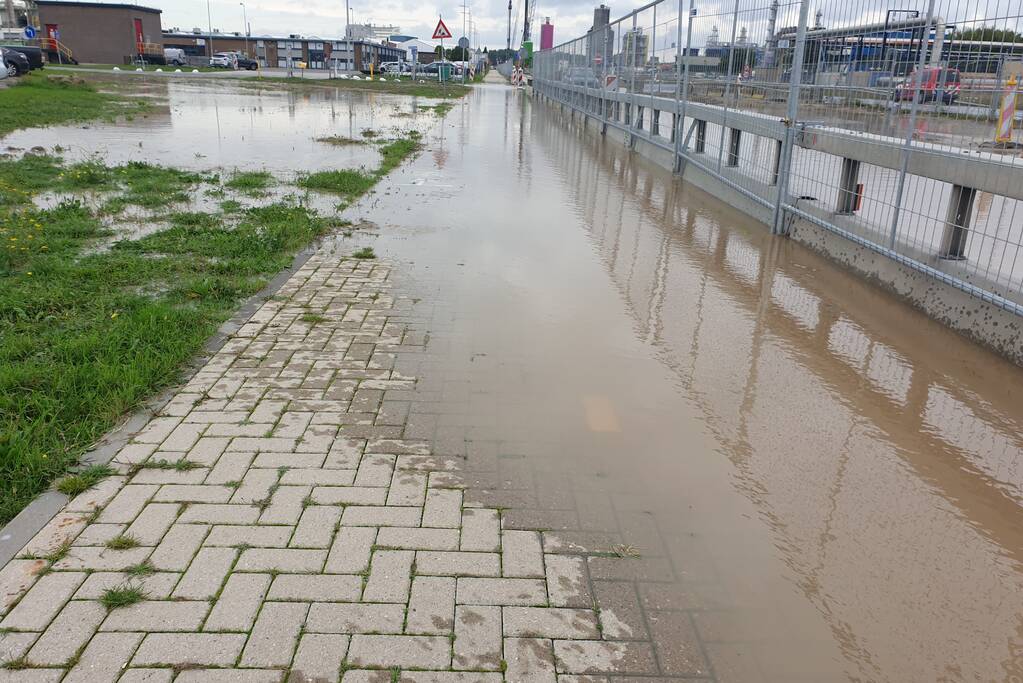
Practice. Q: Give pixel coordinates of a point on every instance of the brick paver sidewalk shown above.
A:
(307, 540)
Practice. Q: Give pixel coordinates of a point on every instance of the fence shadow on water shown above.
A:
(897, 131)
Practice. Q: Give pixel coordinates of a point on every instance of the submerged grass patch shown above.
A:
(37, 100)
(88, 336)
(252, 183)
(345, 182)
(340, 140)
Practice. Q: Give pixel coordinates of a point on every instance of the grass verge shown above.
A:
(403, 87)
(36, 100)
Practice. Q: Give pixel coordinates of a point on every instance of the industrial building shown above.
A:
(102, 33)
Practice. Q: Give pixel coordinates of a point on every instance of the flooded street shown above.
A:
(819, 483)
(757, 466)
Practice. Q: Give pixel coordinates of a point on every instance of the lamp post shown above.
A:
(245, 26)
(209, 18)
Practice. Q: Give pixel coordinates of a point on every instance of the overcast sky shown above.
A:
(326, 18)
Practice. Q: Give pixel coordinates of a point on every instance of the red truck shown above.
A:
(935, 82)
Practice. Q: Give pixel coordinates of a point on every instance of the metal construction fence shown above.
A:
(893, 127)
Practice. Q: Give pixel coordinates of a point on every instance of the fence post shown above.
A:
(792, 111)
(682, 94)
(728, 83)
(908, 145)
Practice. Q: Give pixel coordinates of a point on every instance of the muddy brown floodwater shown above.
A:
(748, 458)
(811, 480)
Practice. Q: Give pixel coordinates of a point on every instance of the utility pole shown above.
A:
(209, 18)
(245, 20)
(465, 62)
(509, 23)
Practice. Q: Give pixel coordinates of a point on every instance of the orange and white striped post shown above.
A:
(1007, 111)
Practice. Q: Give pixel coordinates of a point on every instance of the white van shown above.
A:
(174, 56)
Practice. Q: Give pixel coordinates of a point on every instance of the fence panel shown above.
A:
(896, 128)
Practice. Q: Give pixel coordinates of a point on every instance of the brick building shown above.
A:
(276, 51)
(101, 33)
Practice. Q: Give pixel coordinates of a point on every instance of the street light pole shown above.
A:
(209, 18)
(245, 21)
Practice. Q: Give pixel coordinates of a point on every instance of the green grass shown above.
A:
(365, 253)
(253, 183)
(74, 484)
(151, 187)
(344, 182)
(403, 87)
(37, 100)
(122, 542)
(143, 568)
(396, 152)
(340, 140)
(132, 67)
(87, 337)
(122, 596)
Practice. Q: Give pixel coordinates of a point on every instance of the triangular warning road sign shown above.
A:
(441, 32)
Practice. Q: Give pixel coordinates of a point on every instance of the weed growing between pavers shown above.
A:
(122, 596)
(73, 484)
(365, 253)
(122, 542)
(38, 100)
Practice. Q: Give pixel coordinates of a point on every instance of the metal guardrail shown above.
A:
(898, 130)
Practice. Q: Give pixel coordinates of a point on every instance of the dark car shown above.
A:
(17, 63)
(32, 53)
(246, 63)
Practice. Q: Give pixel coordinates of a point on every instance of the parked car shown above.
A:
(244, 62)
(32, 53)
(175, 56)
(580, 75)
(3, 68)
(224, 60)
(17, 63)
(935, 82)
(395, 68)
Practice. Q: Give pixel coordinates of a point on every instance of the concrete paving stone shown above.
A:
(286, 505)
(153, 522)
(261, 444)
(389, 576)
(220, 513)
(481, 530)
(431, 607)
(104, 658)
(157, 615)
(99, 534)
(207, 450)
(31, 675)
(230, 467)
(43, 601)
(316, 527)
(255, 485)
(417, 538)
(15, 580)
(127, 504)
(398, 446)
(317, 438)
(178, 546)
(156, 475)
(529, 660)
(567, 583)
(252, 430)
(571, 678)
(15, 645)
(273, 638)
(256, 536)
(316, 587)
(340, 617)
(348, 495)
(318, 658)
(157, 429)
(156, 586)
(679, 651)
(64, 527)
(184, 493)
(407, 488)
(67, 633)
(631, 568)
(230, 676)
(182, 437)
(318, 477)
(205, 574)
(449, 677)
(350, 553)
(98, 558)
(488, 591)
(478, 638)
(423, 652)
(521, 554)
(345, 453)
(443, 508)
(298, 460)
(366, 676)
(447, 481)
(267, 411)
(287, 560)
(133, 453)
(374, 469)
(597, 656)
(458, 563)
(184, 649)
(239, 602)
(146, 676)
(360, 515)
(621, 617)
(550, 622)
